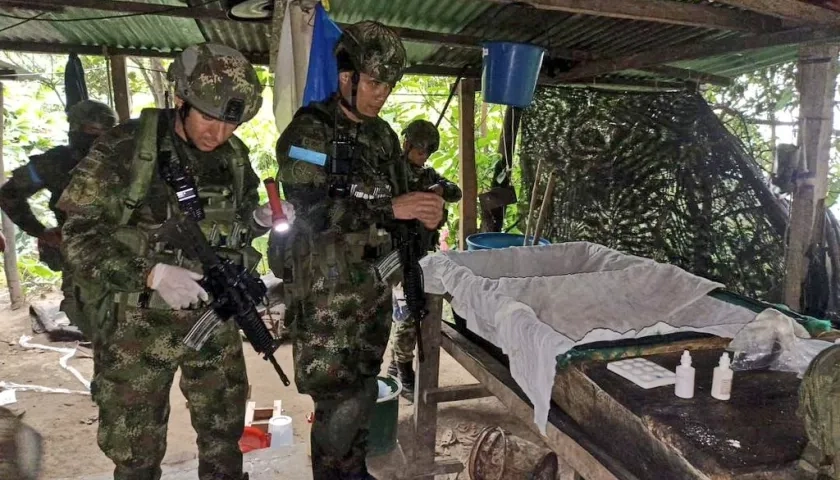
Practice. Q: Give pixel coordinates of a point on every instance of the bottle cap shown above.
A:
(686, 358)
(724, 360)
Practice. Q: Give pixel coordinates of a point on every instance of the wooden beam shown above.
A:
(792, 10)
(455, 393)
(119, 82)
(467, 171)
(427, 376)
(690, 75)
(678, 53)
(817, 78)
(662, 11)
(16, 297)
(124, 7)
(257, 58)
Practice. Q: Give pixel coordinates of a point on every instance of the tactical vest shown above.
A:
(301, 257)
(230, 237)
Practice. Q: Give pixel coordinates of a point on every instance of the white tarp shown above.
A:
(536, 303)
(292, 64)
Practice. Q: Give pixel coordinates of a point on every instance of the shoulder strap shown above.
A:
(237, 168)
(143, 162)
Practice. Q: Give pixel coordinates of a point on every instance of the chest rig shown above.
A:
(351, 175)
(163, 181)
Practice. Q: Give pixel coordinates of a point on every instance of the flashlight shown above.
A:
(278, 218)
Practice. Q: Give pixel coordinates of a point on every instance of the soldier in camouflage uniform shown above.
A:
(421, 140)
(338, 308)
(51, 170)
(819, 408)
(20, 448)
(143, 295)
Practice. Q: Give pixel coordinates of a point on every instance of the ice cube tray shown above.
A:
(643, 372)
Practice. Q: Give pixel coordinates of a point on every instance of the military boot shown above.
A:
(406, 376)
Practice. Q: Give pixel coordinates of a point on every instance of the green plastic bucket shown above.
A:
(383, 422)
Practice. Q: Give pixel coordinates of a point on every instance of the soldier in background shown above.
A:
(51, 170)
(421, 140)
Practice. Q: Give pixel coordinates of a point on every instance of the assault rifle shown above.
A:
(234, 291)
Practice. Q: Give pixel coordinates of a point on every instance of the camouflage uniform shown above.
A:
(337, 312)
(51, 170)
(137, 349)
(20, 448)
(420, 134)
(819, 408)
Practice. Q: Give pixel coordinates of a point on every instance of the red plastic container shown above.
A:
(253, 439)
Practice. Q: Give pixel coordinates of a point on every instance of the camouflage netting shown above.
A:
(656, 175)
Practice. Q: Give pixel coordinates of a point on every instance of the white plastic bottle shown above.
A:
(684, 386)
(722, 379)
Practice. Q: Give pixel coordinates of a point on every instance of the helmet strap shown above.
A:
(353, 104)
(183, 113)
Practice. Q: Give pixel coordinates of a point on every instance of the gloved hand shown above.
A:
(177, 286)
(262, 214)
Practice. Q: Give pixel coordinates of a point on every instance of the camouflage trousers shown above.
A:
(339, 433)
(403, 332)
(339, 334)
(136, 354)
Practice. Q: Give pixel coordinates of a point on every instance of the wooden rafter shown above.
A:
(791, 10)
(662, 11)
(257, 58)
(677, 53)
(121, 6)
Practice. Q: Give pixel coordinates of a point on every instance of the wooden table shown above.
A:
(603, 427)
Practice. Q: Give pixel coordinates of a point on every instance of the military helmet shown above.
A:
(218, 81)
(373, 49)
(92, 113)
(422, 134)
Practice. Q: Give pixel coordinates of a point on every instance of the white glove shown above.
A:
(262, 214)
(177, 286)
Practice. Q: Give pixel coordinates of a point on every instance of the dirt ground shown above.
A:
(68, 422)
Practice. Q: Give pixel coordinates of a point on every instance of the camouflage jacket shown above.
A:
(50, 170)
(306, 185)
(422, 178)
(94, 204)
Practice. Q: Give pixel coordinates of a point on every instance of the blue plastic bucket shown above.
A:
(493, 240)
(510, 72)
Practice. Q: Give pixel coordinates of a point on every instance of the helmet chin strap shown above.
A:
(183, 113)
(353, 104)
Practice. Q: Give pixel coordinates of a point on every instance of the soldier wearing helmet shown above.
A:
(140, 294)
(420, 140)
(340, 166)
(51, 170)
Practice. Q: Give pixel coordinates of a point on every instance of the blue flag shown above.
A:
(322, 75)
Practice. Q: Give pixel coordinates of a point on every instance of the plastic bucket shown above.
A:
(493, 240)
(382, 437)
(280, 431)
(510, 72)
(497, 455)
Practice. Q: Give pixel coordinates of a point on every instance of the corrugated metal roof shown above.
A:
(78, 26)
(559, 32)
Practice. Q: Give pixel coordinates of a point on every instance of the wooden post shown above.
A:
(816, 83)
(469, 183)
(119, 79)
(425, 412)
(10, 255)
